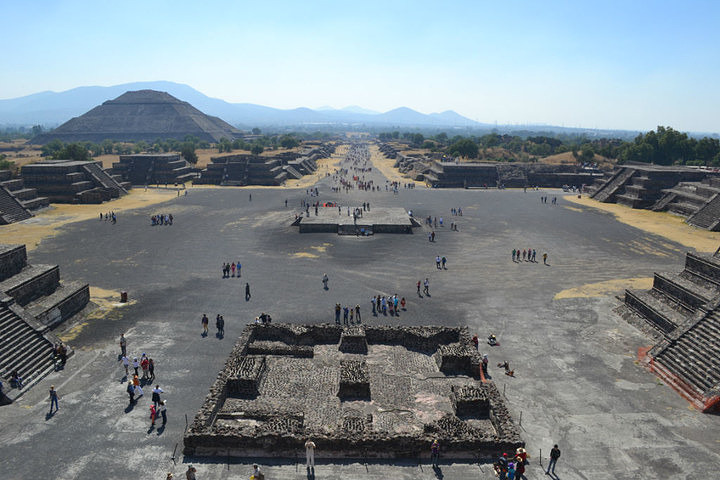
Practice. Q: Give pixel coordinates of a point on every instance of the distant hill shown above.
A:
(52, 108)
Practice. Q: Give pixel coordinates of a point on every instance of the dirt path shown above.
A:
(387, 166)
(48, 222)
(660, 223)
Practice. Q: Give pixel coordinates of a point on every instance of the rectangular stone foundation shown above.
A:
(325, 397)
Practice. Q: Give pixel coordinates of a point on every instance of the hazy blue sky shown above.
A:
(628, 64)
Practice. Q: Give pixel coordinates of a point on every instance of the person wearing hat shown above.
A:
(501, 467)
(190, 474)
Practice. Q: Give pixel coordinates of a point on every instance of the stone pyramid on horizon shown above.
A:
(141, 115)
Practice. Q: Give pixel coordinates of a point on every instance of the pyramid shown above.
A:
(141, 115)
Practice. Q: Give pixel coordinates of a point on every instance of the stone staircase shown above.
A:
(103, 179)
(11, 210)
(32, 302)
(23, 347)
(708, 216)
(677, 298)
(606, 193)
(685, 309)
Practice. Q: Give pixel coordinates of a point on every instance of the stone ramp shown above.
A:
(103, 179)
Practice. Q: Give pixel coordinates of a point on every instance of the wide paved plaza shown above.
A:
(577, 382)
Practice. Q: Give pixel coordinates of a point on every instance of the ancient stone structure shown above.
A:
(16, 200)
(141, 115)
(32, 302)
(683, 312)
(244, 169)
(377, 220)
(359, 391)
(153, 168)
(70, 181)
(440, 171)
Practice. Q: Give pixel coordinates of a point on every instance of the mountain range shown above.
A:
(53, 108)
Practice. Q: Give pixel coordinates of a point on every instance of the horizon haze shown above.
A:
(607, 66)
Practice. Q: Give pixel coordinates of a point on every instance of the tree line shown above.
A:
(663, 146)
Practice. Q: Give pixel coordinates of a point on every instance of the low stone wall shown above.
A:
(12, 260)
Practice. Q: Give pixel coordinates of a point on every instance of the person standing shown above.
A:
(153, 415)
(437, 262)
(357, 313)
(131, 392)
(554, 455)
(426, 284)
(435, 452)
(443, 261)
(418, 287)
(310, 454)
(220, 324)
(204, 320)
(484, 365)
(126, 364)
(123, 345)
(325, 281)
(53, 399)
(163, 412)
(145, 366)
(156, 394)
(190, 474)
(545, 258)
(247, 292)
(238, 269)
(151, 368)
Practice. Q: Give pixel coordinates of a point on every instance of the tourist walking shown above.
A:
(545, 258)
(357, 313)
(220, 325)
(123, 345)
(190, 474)
(151, 369)
(153, 414)
(310, 454)
(435, 452)
(239, 268)
(204, 320)
(418, 288)
(554, 455)
(443, 261)
(136, 365)
(325, 281)
(53, 399)
(145, 366)
(437, 262)
(126, 363)
(426, 285)
(247, 292)
(131, 391)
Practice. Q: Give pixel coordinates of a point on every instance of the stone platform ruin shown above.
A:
(358, 392)
(377, 220)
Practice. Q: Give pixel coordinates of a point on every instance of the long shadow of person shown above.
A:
(438, 472)
(49, 415)
(130, 407)
(161, 430)
(152, 427)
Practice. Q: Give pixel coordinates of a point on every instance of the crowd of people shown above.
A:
(229, 269)
(162, 219)
(527, 255)
(136, 382)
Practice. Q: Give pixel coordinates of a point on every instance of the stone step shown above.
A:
(21, 349)
(17, 332)
(68, 299)
(682, 290)
(31, 283)
(679, 365)
(704, 266)
(658, 313)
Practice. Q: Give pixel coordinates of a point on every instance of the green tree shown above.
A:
(72, 151)
(257, 149)
(464, 148)
(37, 130)
(288, 141)
(256, 131)
(188, 152)
(107, 146)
